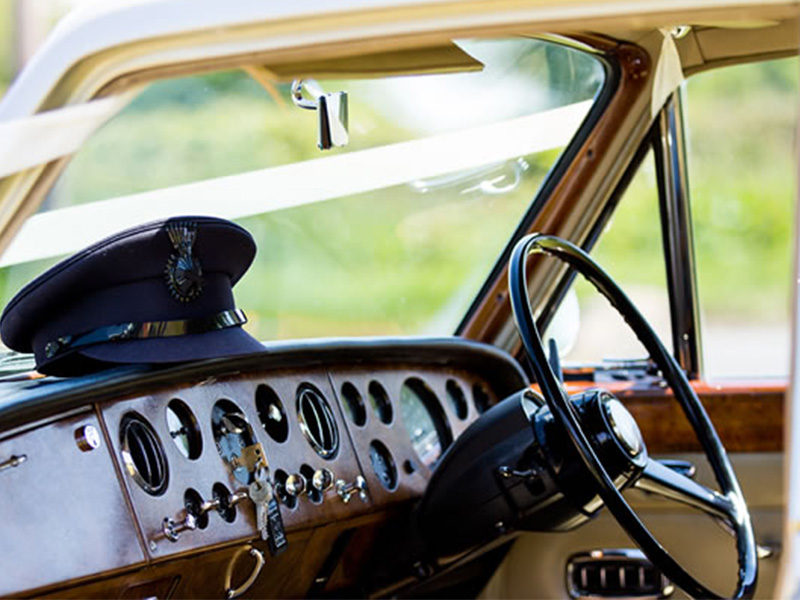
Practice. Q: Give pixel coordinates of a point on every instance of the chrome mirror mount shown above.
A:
(331, 108)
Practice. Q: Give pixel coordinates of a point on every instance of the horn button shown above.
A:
(623, 426)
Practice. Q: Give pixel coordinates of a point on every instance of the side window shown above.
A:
(741, 161)
(630, 249)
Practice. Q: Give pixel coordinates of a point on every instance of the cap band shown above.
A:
(146, 330)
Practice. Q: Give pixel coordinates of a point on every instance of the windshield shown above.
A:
(392, 233)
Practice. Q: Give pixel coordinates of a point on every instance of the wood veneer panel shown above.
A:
(203, 576)
(747, 415)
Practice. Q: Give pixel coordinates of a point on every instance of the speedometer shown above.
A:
(424, 420)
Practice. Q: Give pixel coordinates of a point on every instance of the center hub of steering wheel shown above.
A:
(623, 426)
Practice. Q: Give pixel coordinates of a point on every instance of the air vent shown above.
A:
(316, 421)
(620, 573)
(142, 454)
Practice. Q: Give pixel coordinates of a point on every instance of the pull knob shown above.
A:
(209, 505)
(295, 485)
(322, 480)
(346, 490)
(173, 529)
(237, 497)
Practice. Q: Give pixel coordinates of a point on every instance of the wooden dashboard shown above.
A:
(103, 462)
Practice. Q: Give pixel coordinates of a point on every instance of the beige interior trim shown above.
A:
(708, 47)
(535, 567)
(447, 58)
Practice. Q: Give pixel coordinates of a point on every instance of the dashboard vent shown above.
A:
(142, 454)
(316, 421)
(619, 573)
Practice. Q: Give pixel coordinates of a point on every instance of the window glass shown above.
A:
(742, 165)
(630, 249)
(392, 234)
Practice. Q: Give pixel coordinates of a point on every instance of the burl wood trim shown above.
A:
(748, 416)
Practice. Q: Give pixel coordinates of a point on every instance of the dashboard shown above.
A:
(137, 482)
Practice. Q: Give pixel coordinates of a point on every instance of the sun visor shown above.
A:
(439, 59)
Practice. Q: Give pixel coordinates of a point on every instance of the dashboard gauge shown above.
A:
(458, 401)
(271, 413)
(232, 434)
(425, 421)
(379, 400)
(353, 404)
(481, 398)
(383, 465)
(183, 430)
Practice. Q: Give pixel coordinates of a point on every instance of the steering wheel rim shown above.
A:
(730, 502)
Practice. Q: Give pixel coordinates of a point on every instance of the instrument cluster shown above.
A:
(285, 451)
(317, 448)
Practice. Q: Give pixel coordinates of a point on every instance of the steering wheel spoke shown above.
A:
(660, 479)
(598, 457)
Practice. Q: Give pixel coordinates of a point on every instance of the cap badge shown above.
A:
(183, 270)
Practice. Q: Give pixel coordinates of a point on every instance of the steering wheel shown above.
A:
(728, 505)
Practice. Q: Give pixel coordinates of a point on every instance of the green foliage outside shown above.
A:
(742, 174)
(743, 168)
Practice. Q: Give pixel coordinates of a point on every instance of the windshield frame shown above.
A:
(556, 174)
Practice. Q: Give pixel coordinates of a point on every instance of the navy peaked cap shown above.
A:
(156, 293)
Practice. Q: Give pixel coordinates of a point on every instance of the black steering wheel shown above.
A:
(728, 505)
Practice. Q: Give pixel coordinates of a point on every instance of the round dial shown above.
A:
(383, 465)
(183, 429)
(424, 421)
(232, 434)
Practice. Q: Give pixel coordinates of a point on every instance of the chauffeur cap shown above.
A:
(156, 293)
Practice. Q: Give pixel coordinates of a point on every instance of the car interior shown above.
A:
(493, 364)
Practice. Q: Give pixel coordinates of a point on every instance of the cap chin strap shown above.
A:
(145, 330)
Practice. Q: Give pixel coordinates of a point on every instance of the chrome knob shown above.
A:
(322, 480)
(295, 484)
(87, 438)
(236, 497)
(173, 529)
(209, 505)
(346, 490)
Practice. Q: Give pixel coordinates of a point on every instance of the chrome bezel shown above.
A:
(325, 419)
(634, 556)
(128, 421)
(188, 421)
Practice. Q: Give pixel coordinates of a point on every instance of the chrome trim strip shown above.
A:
(146, 330)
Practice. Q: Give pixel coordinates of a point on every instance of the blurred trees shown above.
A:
(742, 172)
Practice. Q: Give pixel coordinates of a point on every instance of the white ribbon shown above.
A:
(42, 138)
(67, 230)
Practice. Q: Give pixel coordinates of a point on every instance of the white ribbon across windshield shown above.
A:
(37, 140)
(64, 231)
